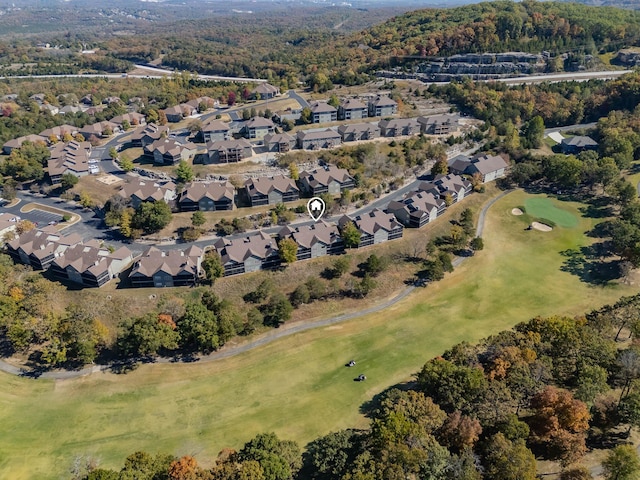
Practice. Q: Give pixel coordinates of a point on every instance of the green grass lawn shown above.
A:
(298, 386)
(544, 208)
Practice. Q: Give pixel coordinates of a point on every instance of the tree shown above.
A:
(460, 431)
(24, 226)
(477, 244)
(374, 265)
(507, 460)
(113, 153)
(86, 201)
(560, 421)
(293, 171)
(339, 267)
(533, 131)
(577, 473)
(453, 387)
(334, 101)
(351, 235)
(125, 223)
(126, 164)
(184, 172)
(126, 125)
(194, 126)
(280, 459)
(330, 456)
(185, 468)
(622, 463)
(231, 98)
(300, 296)
(212, 266)
(441, 167)
(198, 328)
(146, 335)
(151, 217)
(277, 311)
(198, 219)
(68, 181)
(288, 249)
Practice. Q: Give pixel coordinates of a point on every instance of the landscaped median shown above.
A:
(297, 386)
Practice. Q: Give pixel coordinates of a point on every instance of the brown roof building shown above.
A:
(322, 112)
(417, 209)
(38, 247)
(167, 151)
(138, 191)
(327, 179)
(316, 240)
(89, 264)
(271, 190)
(375, 227)
(73, 158)
(172, 268)
(17, 142)
(265, 91)
(207, 196)
(229, 150)
(147, 134)
(248, 254)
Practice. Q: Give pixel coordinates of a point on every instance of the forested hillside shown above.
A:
(485, 27)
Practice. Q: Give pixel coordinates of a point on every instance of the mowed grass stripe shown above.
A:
(543, 208)
(297, 386)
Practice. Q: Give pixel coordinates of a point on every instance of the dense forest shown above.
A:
(312, 44)
(551, 388)
(497, 26)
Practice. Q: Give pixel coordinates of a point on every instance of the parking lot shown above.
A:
(40, 217)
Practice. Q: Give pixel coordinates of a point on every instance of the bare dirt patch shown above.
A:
(108, 179)
(516, 211)
(541, 227)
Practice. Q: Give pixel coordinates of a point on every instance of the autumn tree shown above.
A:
(288, 249)
(441, 167)
(350, 234)
(560, 421)
(459, 432)
(24, 226)
(185, 468)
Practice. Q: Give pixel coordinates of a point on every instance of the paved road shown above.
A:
(154, 73)
(564, 77)
(578, 126)
(273, 335)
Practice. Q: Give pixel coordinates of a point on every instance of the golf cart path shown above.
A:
(273, 335)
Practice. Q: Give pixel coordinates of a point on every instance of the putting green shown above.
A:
(297, 386)
(543, 208)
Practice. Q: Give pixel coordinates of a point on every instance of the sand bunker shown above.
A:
(516, 211)
(541, 226)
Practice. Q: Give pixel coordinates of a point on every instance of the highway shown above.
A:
(154, 72)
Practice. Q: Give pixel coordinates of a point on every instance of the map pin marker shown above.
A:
(316, 207)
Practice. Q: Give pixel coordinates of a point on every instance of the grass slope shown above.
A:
(298, 386)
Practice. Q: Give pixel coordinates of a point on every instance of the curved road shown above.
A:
(273, 335)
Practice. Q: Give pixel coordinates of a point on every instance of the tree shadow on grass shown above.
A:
(370, 407)
(586, 263)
